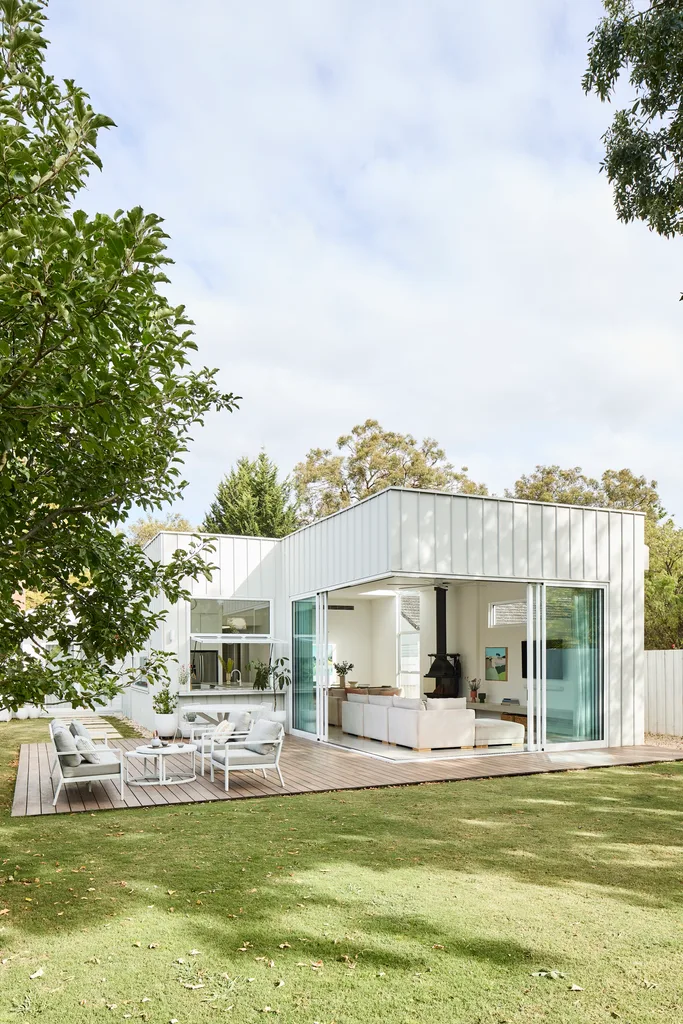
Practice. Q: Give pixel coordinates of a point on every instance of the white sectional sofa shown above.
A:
(415, 723)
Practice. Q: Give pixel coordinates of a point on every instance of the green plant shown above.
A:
(183, 676)
(342, 668)
(261, 670)
(473, 685)
(227, 664)
(275, 674)
(98, 400)
(165, 702)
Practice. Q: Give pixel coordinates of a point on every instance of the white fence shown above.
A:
(664, 692)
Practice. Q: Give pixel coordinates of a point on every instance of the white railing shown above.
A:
(664, 692)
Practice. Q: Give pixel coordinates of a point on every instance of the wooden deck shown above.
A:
(307, 767)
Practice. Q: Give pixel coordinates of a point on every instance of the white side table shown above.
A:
(161, 774)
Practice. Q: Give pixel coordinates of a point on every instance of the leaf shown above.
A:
(195, 952)
(4, 911)
(284, 945)
(37, 974)
(575, 988)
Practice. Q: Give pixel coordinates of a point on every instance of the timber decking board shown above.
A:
(307, 767)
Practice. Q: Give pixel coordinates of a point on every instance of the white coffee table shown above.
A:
(161, 773)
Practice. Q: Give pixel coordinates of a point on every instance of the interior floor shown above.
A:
(389, 752)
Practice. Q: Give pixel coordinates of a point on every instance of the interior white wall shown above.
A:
(473, 634)
(351, 634)
(384, 643)
(365, 636)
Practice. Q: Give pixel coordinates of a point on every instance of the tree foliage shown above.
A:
(617, 488)
(644, 144)
(368, 460)
(252, 502)
(97, 400)
(144, 529)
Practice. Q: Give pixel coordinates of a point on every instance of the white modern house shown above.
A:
(421, 592)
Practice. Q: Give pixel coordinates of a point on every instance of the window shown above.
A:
(408, 608)
(141, 679)
(211, 616)
(507, 613)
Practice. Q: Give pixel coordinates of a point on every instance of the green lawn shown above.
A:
(431, 904)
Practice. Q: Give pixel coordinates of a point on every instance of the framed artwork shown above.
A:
(496, 662)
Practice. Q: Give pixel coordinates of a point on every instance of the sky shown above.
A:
(390, 209)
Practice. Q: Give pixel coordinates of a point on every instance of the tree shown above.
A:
(369, 460)
(251, 502)
(617, 488)
(96, 398)
(551, 483)
(644, 145)
(664, 587)
(146, 528)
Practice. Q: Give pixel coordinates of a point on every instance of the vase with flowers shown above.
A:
(474, 685)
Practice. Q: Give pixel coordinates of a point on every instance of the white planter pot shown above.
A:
(22, 713)
(5, 716)
(166, 725)
(33, 711)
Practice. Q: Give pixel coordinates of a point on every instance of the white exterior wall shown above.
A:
(422, 533)
(664, 692)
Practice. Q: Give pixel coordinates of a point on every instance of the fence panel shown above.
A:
(664, 692)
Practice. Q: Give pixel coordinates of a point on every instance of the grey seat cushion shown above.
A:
(239, 757)
(78, 729)
(109, 764)
(262, 738)
(65, 744)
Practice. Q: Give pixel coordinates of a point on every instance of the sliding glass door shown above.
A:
(565, 677)
(304, 714)
(574, 657)
(310, 666)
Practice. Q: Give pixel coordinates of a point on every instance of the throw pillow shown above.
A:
(87, 750)
(224, 729)
(356, 698)
(66, 744)
(240, 719)
(409, 703)
(445, 703)
(78, 729)
(266, 731)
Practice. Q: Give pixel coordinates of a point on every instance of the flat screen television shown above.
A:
(554, 662)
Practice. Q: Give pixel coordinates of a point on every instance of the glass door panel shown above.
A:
(574, 684)
(304, 704)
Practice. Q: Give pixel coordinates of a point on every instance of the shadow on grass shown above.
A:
(254, 861)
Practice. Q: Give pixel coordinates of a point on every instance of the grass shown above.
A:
(124, 729)
(416, 905)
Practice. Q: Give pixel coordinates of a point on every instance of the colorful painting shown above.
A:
(496, 659)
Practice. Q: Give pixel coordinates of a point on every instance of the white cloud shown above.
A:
(391, 211)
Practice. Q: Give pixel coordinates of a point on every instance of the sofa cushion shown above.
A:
(353, 697)
(65, 744)
(238, 757)
(409, 703)
(445, 703)
(86, 749)
(262, 738)
(108, 764)
(78, 729)
(386, 702)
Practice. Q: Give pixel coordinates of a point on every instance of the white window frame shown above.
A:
(417, 634)
(506, 625)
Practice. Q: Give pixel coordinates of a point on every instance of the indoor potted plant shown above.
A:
(474, 685)
(342, 668)
(164, 704)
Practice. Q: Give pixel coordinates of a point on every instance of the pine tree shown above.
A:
(251, 502)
